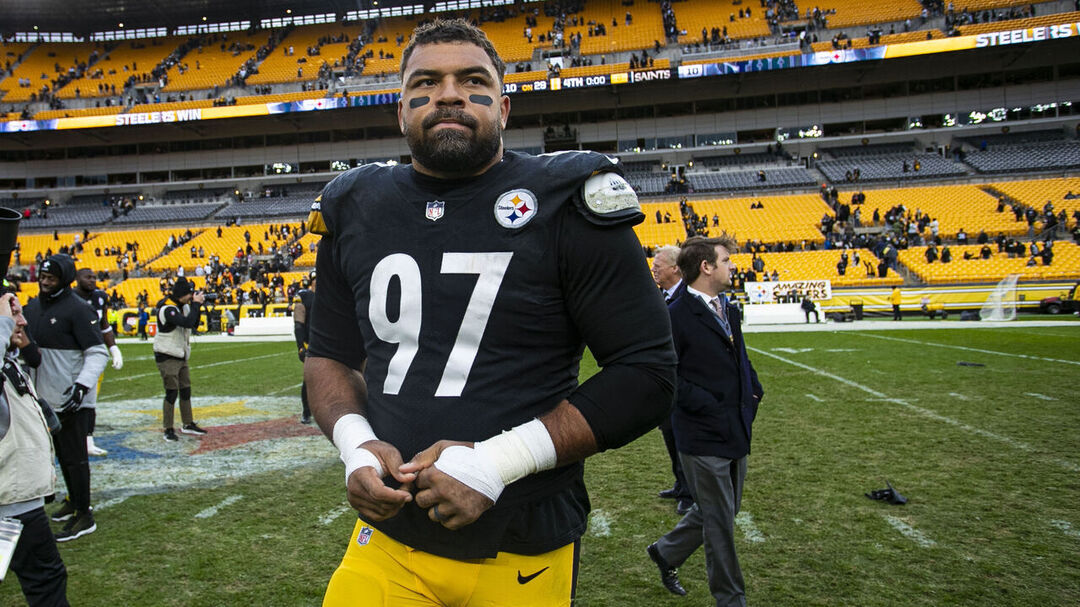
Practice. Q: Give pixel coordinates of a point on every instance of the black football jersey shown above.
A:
(472, 302)
(99, 301)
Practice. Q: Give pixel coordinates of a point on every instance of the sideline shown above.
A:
(1022, 446)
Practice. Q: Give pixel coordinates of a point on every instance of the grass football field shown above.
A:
(987, 452)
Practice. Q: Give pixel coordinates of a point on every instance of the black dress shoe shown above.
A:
(683, 505)
(669, 494)
(669, 577)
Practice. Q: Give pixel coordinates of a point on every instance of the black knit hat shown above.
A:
(181, 288)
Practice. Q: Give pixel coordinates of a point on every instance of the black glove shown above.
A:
(302, 353)
(75, 395)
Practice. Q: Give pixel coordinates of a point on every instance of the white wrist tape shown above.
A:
(492, 464)
(351, 431)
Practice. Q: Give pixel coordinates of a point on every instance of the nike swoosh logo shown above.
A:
(525, 579)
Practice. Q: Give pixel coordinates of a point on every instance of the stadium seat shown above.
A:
(954, 206)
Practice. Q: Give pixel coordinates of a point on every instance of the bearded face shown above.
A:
(452, 110)
(454, 150)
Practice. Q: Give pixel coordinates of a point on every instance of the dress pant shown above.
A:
(717, 484)
(37, 562)
(70, 444)
(681, 487)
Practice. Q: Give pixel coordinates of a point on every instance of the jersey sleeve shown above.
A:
(85, 327)
(174, 317)
(332, 328)
(615, 306)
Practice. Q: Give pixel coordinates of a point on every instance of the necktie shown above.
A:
(721, 313)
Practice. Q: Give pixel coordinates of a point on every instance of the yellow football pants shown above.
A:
(378, 571)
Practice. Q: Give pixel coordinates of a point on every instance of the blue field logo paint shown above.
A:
(245, 436)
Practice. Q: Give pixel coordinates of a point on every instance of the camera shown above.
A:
(210, 296)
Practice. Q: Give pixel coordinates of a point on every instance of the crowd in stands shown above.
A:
(955, 19)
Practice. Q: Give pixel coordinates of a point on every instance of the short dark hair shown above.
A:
(451, 30)
(697, 249)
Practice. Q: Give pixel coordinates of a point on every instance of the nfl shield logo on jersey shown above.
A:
(365, 536)
(435, 210)
(515, 208)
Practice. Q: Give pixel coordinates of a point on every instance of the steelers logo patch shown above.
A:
(515, 208)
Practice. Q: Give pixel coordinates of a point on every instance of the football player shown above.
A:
(86, 288)
(456, 296)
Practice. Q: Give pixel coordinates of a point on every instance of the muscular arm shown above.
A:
(334, 390)
(570, 433)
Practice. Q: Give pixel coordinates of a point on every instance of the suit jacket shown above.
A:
(679, 291)
(717, 394)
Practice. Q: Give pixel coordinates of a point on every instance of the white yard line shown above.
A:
(334, 514)
(814, 398)
(967, 349)
(1022, 446)
(958, 396)
(285, 389)
(909, 532)
(1066, 528)
(599, 523)
(746, 522)
(109, 503)
(193, 367)
(213, 510)
(1039, 396)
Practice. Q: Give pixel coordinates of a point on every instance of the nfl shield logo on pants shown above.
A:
(364, 536)
(435, 210)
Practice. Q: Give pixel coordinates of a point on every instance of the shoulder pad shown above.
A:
(607, 199)
(315, 221)
(317, 218)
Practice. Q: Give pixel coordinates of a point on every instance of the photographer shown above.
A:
(26, 471)
(73, 356)
(172, 346)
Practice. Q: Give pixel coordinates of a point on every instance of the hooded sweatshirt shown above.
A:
(65, 328)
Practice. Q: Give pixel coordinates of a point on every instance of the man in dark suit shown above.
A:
(716, 401)
(665, 271)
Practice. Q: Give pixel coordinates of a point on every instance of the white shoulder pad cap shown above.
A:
(607, 194)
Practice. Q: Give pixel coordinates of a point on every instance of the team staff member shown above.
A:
(456, 296)
(86, 288)
(301, 321)
(73, 356)
(666, 273)
(26, 470)
(718, 395)
(172, 348)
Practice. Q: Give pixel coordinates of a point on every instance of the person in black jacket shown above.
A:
(172, 347)
(301, 317)
(716, 401)
(73, 356)
(665, 272)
